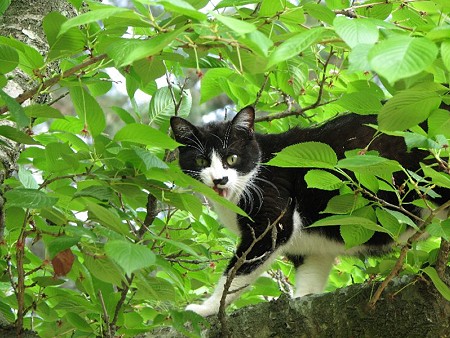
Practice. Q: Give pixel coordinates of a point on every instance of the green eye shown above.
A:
(232, 160)
(201, 162)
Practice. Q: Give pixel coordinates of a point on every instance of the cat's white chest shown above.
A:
(227, 218)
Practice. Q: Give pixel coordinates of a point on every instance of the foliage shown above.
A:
(127, 243)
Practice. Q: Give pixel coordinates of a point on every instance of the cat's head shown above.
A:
(223, 155)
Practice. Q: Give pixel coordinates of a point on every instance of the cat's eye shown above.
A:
(201, 162)
(232, 160)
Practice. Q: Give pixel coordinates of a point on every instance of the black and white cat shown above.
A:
(229, 157)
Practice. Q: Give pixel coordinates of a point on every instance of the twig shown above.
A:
(54, 80)
(123, 297)
(258, 95)
(20, 285)
(442, 260)
(316, 104)
(105, 315)
(232, 273)
(399, 264)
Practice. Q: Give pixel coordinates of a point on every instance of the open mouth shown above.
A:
(220, 191)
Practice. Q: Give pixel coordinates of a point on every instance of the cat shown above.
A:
(229, 157)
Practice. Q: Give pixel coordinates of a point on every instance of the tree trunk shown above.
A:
(409, 307)
(22, 21)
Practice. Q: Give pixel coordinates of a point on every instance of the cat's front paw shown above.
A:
(201, 309)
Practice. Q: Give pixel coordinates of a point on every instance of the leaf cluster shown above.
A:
(112, 211)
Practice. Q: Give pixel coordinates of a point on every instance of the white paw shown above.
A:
(202, 310)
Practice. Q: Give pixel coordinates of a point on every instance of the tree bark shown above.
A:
(22, 21)
(409, 307)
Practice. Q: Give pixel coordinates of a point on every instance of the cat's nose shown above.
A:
(221, 181)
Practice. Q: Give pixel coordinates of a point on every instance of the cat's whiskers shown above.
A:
(198, 145)
(220, 139)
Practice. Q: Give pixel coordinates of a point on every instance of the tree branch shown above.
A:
(399, 264)
(316, 104)
(54, 80)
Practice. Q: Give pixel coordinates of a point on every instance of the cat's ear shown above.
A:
(183, 130)
(245, 119)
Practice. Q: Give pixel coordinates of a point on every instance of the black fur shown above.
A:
(284, 189)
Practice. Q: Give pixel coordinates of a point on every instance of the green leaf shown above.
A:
(92, 16)
(126, 51)
(6, 310)
(78, 322)
(355, 235)
(445, 53)
(47, 281)
(107, 218)
(59, 244)
(369, 164)
(439, 123)
(155, 288)
(337, 4)
(99, 192)
(238, 26)
(356, 31)
(294, 45)
(162, 106)
(306, 155)
(27, 178)
(258, 42)
(345, 204)
(402, 218)
(9, 59)
(213, 82)
(29, 198)
(401, 56)
(141, 159)
(407, 109)
(42, 110)
(129, 256)
(16, 135)
(142, 134)
(320, 12)
(68, 43)
(235, 3)
(323, 180)
(349, 220)
(390, 222)
(99, 84)
(184, 8)
(440, 229)
(443, 289)
(29, 58)
(4, 6)
(358, 58)
(360, 103)
(88, 110)
(369, 181)
(379, 11)
(16, 110)
(178, 244)
(104, 269)
(124, 115)
(439, 178)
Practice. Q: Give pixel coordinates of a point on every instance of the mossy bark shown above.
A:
(409, 308)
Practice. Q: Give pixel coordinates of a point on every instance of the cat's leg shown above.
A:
(312, 273)
(249, 268)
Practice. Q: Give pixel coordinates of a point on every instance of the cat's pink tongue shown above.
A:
(221, 192)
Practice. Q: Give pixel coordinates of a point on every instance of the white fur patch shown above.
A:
(238, 285)
(312, 275)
